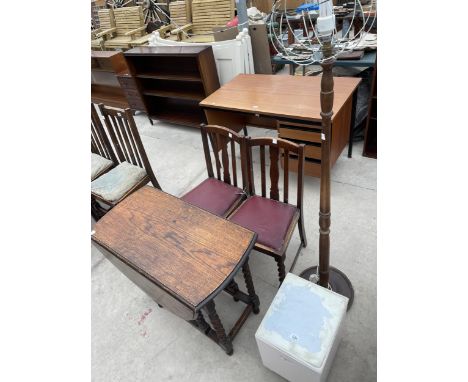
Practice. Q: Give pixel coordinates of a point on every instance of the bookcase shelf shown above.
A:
(170, 77)
(168, 82)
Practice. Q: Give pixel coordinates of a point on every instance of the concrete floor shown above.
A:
(134, 340)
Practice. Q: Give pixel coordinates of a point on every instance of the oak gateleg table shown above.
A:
(181, 256)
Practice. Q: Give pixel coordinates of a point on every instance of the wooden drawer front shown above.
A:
(313, 152)
(300, 135)
(127, 82)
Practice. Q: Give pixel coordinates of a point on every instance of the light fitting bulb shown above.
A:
(326, 19)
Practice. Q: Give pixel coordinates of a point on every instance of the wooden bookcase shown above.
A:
(169, 82)
(370, 135)
(105, 87)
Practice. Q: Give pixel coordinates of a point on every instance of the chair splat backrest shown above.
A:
(223, 142)
(209, 14)
(99, 141)
(126, 139)
(128, 19)
(277, 148)
(106, 19)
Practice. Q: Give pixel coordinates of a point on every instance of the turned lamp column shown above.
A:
(328, 277)
(326, 103)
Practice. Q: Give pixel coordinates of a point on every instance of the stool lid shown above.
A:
(303, 320)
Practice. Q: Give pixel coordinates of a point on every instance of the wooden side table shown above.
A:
(181, 256)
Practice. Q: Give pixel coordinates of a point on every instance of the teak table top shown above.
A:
(185, 250)
(295, 97)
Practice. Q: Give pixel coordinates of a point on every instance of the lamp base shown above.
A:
(338, 281)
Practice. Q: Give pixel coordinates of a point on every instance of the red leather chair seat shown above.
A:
(213, 196)
(268, 218)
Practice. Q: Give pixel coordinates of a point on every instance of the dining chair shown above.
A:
(222, 193)
(102, 155)
(133, 169)
(273, 220)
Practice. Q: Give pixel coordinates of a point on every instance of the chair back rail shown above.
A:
(99, 141)
(106, 19)
(276, 148)
(126, 139)
(128, 19)
(223, 142)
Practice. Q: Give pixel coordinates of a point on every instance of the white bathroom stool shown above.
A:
(300, 333)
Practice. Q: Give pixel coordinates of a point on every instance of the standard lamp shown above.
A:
(321, 49)
(328, 277)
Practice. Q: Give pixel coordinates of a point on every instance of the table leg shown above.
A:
(201, 323)
(223, 340)
(255, 302)
(233, 289)
(351, 124)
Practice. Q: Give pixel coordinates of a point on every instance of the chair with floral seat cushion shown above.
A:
(221, 194)
(133, 170)
(99, 165)
(102, 155)
(274, 221)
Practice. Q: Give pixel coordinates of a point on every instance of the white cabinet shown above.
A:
(300, 333)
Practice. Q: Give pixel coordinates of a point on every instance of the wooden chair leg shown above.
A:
(245, 131)
(281, 268)
(223, 340)
(302, 234)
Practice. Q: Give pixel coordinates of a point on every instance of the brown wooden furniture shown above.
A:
(220, 195)
(329, 277)
(102, 156)
(289, 103)
(105, 87)
(100, 144)
(370, 134)
(133, 170)
(130, 28)
(168, 82)
(274, 221)
(172, 251)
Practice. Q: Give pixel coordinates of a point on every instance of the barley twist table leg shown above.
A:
(202, 324)
(250, 288)
(234, 289)
(223, 340)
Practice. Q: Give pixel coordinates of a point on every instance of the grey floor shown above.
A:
(134, 340)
